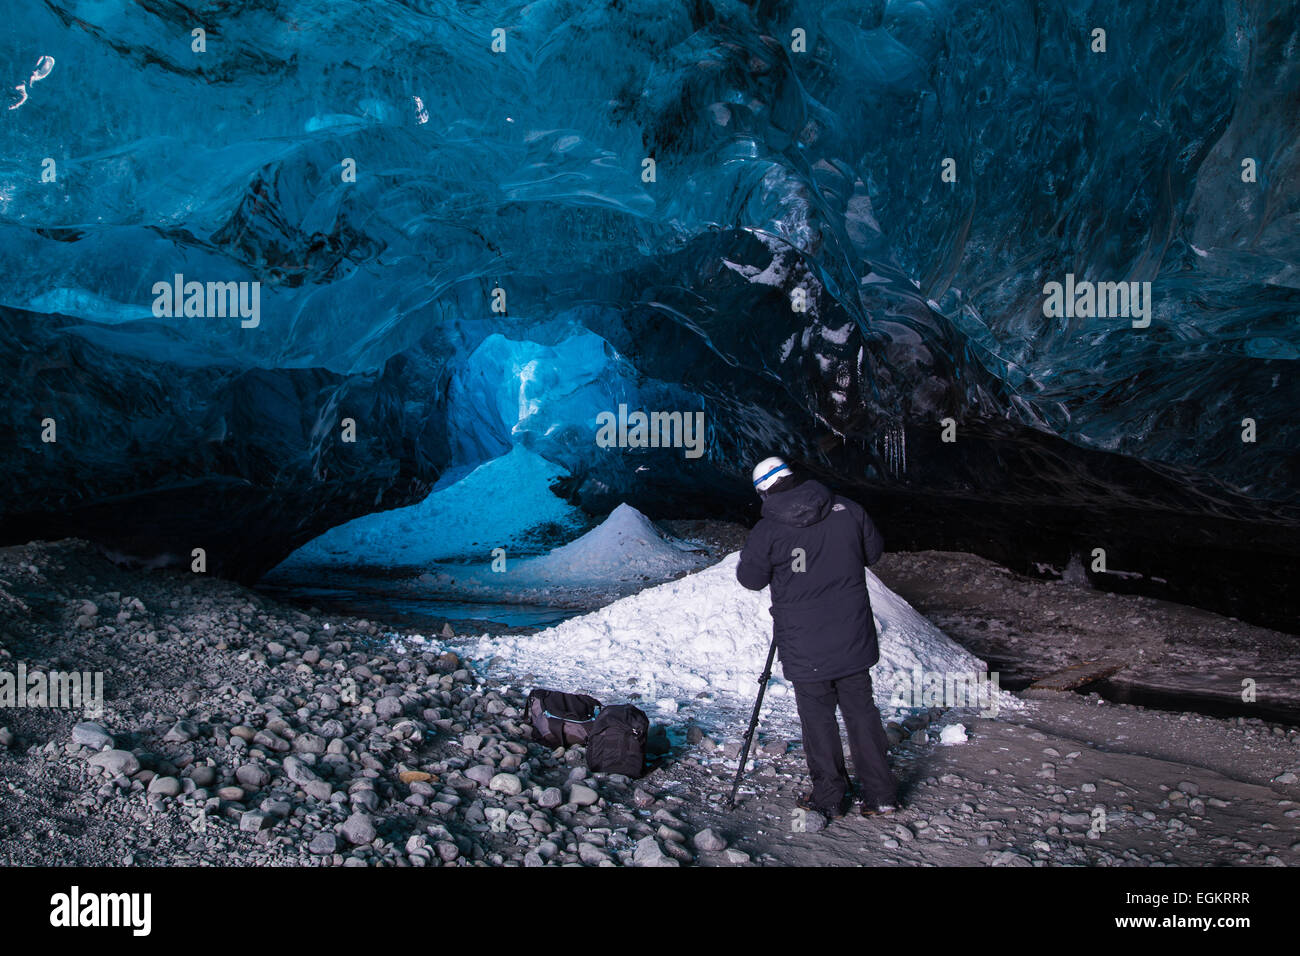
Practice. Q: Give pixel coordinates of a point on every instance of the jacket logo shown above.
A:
(837, 507)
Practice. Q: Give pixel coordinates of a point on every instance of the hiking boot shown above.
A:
(879, 809)
(830, 813)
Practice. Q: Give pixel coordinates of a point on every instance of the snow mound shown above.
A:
(697, 645)
(623, 552)
(625, 545)
(501, 503)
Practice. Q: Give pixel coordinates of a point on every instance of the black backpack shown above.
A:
(560, 719)
(617, 741)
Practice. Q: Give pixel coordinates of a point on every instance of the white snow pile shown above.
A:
(625, 550)
(697, 645)
(625, 546)
(952, 735)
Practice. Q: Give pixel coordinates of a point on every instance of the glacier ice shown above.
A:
(463, 251)
(506, 502)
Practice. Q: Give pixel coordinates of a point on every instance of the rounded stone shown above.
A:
(359, 829)
(165, 786)
(506, 783)
(116, 762)
(90, 734)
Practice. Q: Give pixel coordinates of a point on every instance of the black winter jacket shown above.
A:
(822, 614)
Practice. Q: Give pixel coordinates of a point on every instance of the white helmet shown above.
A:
(768, 472)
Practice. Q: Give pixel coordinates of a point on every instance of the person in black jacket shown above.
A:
(811, 547)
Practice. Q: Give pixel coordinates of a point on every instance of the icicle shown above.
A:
(894, 451)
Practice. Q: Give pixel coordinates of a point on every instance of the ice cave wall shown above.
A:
(799, 149)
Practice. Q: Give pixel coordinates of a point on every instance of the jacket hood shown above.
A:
(805, 504)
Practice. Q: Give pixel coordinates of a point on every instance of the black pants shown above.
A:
(817, 701)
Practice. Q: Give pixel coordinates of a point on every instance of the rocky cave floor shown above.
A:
(234, 742)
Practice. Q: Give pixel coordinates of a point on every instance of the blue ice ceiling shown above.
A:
(799, 149)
